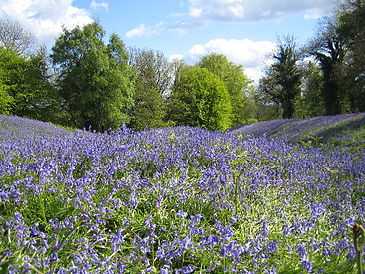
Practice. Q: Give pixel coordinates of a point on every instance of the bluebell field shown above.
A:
(174, 200)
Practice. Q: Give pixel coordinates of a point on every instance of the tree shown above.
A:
(26, 81)
(10, 67)
(268, 107)
(153, 68)
(13, 36)
(282, 80)
(310, 101)
(329, 49)
(199, 98)
(154, 79)
(149, 110)
(351, 26)
(250, 110)
(5, 100)
(236, 82)
(36, 97)
(94, 78)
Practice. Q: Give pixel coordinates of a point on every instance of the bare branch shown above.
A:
(153, 69)
(13, 36)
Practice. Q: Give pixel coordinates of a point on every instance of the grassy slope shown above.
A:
(348, 129)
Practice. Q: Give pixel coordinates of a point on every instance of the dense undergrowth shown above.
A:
(174, 200)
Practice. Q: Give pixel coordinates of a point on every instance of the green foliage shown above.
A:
(266, 108)
(236, 83)
(200, 98)
(282, 80)
(153, 81)
(328, 48)
(310, 101)
(5, 100)
(149, 110)
(351, 26)
(25, 79)
(11, 69)
(94, 78)
(251, 107)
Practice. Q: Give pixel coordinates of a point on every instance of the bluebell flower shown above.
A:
(181, 214)
(272, 247)
(301, 251)
(185, 270)
(307, 265)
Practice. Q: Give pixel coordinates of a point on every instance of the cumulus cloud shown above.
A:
(145, 31)
(230, 10)
(45, 18)
(153, 30)
(201, 11)
(99, 5)
(252, 55)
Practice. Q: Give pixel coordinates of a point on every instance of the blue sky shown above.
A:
(244, 30)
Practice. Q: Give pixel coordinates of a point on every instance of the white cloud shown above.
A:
(195, 12)
(314, 14)
(45, 18)
(252, 55)
(175, 57)
(143, 30)
(179, 26)
(99, 5)
(137, 31)
(256, 10)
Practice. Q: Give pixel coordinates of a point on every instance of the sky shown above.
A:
(244, 30)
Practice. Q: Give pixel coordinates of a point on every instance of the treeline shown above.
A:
(326, 76)
(88, 80)
(85, 82)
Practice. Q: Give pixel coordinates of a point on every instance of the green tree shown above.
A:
(329, 50)
(10, 65)
(37, 98)
(5, 100)
(26, 80)
(149, 110)
(250, 109)
(153, 82)
(94, 78)
(200, 98)
(310, 101)
(267, 107)
(282, 80)
(235, 81)
(351, 26)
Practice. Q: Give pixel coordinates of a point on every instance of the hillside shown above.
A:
(13, 126)
(326, 129)
(174, 200)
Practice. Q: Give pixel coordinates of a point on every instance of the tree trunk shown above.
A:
(331, 98)
(288, 109)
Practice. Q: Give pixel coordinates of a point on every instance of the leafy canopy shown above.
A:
(94, 78)
(200, 99)
(26, 89)
(235, 81)
(283, 78)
